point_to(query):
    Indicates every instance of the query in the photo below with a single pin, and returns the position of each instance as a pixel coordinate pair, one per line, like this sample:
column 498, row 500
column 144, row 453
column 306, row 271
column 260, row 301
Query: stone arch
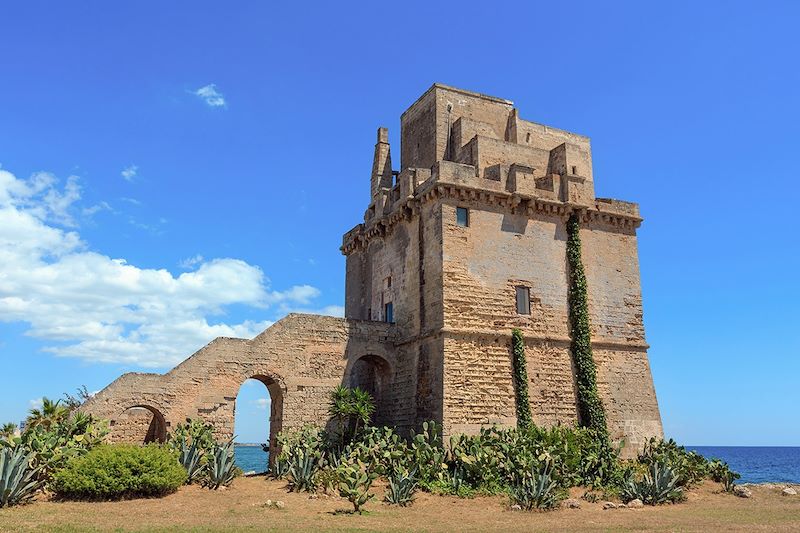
column 139, row 424
column 277, row 393
column 373, row 373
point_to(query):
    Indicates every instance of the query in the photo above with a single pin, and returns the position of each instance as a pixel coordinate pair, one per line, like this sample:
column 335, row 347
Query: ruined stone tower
column 467, row 241
column 463, row 243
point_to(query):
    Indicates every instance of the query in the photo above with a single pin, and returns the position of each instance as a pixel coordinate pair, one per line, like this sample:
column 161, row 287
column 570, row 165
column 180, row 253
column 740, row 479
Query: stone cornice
column 539, row 338
column 516, row 203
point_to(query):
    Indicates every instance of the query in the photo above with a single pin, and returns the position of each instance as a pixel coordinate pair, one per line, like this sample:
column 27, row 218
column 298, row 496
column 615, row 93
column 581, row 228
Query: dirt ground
column 241, row 508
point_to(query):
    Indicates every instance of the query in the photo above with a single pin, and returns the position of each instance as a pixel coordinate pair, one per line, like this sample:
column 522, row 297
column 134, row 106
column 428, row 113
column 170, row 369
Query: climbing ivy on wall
column 519, row 367
column 590, row 407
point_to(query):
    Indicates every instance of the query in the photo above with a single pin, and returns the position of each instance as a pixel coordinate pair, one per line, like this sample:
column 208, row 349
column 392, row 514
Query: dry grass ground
column 240, row 508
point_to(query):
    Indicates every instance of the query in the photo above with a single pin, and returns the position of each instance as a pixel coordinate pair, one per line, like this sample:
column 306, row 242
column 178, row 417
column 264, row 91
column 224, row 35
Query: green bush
column 689, row 467
column 120, row 471
column 720, row 472
column 54, row 441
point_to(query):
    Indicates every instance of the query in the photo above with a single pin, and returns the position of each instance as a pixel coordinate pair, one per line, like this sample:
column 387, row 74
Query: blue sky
column 170, row 172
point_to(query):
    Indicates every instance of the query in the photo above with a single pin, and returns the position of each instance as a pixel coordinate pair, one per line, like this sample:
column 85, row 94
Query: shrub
column 402, row 486
column 659, row 485
column 18, row 479
column 221, row 467
column 689, row 467
column 120, row 471
column 535, row 490
column 354, row 484
column 55, row 439
column 720, row 472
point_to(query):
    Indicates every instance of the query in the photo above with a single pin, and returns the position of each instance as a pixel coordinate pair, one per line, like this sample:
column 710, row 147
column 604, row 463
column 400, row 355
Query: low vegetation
column 120, row 471
column 60, row 449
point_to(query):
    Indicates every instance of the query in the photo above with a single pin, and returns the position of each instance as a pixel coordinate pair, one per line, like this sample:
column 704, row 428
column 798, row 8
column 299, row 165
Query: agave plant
column 221, row 468
column 354, row 484
column 18, row 480
column 189, row 456
column 659, row 485
column 402, row 486
column 302, row 474
column 535, row 489
column 279, row 468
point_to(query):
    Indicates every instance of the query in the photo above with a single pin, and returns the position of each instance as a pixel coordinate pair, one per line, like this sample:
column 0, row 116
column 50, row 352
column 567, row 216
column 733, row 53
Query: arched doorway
column 372, row 373
column 140, row 424
column 258, row 414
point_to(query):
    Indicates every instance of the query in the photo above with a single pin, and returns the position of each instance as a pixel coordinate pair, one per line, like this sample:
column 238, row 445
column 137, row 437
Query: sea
column 251, row 458
column 756, row 464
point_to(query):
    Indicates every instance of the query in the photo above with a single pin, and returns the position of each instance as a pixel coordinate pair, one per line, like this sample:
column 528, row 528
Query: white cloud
column 36, row 404
column 262, row 403
column 190, row 262
column 129, row 173
column 211, row 96
column 87, row 305
column 102, row 206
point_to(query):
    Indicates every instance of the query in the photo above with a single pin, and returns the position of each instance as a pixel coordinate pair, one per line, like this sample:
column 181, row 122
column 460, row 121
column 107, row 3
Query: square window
column 523, row 301
column 462, row 216
column 389, row 313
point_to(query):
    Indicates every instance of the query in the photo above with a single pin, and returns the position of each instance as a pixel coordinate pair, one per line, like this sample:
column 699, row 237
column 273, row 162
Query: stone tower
column 466, row 242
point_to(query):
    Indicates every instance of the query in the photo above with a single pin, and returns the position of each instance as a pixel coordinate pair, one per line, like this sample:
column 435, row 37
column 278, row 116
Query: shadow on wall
column 141, row 424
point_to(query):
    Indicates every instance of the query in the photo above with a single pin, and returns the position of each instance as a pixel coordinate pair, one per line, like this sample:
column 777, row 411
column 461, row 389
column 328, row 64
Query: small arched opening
column 140, row 424
column 258, row 418
column 372, row 373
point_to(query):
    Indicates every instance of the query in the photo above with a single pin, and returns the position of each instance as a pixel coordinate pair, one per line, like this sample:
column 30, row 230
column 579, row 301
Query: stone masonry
column 474, row 220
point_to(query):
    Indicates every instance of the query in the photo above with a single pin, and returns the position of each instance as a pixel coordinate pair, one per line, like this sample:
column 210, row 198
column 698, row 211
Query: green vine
column 590, row 407
column 520, row 370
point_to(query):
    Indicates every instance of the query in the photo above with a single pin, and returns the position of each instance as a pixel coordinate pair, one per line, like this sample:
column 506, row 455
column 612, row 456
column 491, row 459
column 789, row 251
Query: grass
column 240, row 508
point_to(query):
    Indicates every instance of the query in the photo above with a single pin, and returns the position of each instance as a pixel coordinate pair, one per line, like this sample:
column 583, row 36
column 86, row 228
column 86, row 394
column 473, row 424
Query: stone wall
column 300, row 359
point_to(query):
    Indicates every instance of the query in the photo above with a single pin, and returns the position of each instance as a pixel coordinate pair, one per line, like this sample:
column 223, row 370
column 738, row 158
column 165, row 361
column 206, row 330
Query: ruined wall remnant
column 476, row 213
